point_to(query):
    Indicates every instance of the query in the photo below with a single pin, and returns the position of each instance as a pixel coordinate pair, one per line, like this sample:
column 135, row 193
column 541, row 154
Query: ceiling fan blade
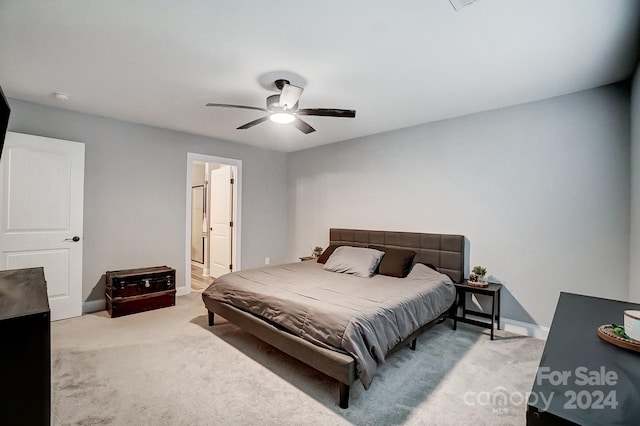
column 253, row 123
column 289, row 96
column 235, row 106
column 328, row 112
column 303, row 126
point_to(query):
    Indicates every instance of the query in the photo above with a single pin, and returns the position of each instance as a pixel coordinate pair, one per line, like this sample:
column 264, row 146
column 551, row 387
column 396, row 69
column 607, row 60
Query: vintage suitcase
column 137, row 290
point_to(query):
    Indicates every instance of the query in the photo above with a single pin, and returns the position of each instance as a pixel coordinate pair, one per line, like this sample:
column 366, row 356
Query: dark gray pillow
column 395, row 262
column 326, row 253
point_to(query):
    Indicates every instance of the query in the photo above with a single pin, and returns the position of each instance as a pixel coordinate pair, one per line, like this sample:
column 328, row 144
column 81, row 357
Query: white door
column 41, row 194
column 220, row 218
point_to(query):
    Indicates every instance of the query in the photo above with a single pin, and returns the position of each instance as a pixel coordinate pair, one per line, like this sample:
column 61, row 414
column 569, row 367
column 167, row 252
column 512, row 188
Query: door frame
column 237, row 201
column 203, row 187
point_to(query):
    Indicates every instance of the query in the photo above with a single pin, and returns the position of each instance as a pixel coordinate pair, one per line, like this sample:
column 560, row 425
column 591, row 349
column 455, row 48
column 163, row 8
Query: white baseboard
column 518, row 327
column 525, row 328
column 90, row 306
column 205, row 271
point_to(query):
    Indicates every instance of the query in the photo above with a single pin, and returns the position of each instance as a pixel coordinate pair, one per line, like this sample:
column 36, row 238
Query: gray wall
column 634, row 256
column 135, row 191
column 540, row 190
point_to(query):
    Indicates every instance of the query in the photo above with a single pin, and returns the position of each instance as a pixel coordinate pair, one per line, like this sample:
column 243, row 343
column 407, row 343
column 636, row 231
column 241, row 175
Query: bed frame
column 446, row 252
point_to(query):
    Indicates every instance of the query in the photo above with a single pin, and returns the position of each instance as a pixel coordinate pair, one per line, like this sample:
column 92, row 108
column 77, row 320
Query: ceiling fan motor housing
column 273, row 104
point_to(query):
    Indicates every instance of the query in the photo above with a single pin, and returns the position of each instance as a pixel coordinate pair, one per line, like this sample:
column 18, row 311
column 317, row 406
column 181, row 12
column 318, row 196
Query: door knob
column 75, row 239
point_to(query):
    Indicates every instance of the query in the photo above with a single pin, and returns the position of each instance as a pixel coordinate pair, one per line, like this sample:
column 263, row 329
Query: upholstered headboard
column 444, row 251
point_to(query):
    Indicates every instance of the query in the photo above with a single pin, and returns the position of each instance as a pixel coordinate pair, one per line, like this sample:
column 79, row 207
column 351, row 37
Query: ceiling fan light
column 282, row 117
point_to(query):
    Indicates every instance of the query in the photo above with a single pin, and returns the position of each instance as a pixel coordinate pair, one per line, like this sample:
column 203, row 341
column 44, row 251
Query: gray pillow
column 423, row 272
column 358, row 261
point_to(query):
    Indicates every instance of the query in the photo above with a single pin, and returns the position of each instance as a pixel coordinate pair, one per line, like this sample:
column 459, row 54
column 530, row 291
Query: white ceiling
column 399, row 64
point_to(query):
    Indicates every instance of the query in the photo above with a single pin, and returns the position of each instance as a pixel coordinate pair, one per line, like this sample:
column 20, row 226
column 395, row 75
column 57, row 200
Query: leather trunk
column 137, row 290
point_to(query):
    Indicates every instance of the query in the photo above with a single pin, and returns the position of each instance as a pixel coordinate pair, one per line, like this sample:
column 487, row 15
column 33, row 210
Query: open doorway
column 213, row 213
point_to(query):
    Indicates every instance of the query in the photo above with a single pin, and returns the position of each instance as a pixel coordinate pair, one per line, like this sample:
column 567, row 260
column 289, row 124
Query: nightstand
column 493, row 290
column 303, row 258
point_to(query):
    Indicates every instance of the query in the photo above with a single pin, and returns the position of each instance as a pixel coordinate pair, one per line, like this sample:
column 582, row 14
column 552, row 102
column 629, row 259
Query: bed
column 338, row 323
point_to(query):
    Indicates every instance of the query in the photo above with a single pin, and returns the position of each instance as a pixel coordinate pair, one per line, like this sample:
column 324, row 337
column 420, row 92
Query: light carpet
column 167, row 367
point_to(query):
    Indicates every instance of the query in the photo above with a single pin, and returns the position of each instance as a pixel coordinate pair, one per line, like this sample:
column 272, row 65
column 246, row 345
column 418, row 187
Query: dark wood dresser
column 25, row 348
column 583, row 380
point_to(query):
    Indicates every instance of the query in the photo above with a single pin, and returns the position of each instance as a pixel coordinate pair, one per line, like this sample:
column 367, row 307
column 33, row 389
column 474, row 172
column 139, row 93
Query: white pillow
column 358, row 261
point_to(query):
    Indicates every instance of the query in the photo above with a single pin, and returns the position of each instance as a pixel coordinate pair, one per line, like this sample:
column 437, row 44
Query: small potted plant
column 317, row 251
column 479, row 272
column 477, row 277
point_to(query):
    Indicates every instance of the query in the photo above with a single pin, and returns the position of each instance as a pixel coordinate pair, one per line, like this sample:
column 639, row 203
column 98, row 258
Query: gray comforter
column 364, row 317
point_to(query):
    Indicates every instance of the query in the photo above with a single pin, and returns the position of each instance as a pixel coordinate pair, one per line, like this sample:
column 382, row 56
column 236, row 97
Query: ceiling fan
column 283, row 109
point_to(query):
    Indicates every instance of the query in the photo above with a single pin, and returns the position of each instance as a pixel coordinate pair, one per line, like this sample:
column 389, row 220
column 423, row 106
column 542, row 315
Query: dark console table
column 25, row 348
column 586, row 380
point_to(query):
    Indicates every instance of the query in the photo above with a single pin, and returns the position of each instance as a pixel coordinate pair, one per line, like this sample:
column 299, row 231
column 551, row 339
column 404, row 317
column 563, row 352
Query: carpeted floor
column 166, row 367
